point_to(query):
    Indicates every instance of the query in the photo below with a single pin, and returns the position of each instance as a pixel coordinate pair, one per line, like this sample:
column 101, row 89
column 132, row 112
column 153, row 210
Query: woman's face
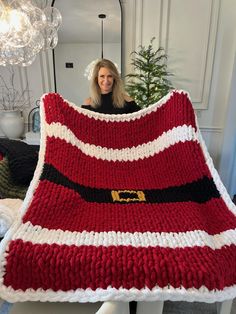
column 105, row 80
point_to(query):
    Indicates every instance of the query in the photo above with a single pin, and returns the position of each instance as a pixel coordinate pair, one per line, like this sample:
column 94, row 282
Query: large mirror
column 82, row 38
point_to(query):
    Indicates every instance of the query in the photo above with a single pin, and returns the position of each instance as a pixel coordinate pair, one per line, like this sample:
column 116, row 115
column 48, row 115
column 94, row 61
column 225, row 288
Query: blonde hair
column 118, row 93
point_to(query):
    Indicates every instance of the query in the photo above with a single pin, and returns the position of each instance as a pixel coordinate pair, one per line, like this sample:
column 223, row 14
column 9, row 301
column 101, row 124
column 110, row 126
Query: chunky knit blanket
column 121, row 207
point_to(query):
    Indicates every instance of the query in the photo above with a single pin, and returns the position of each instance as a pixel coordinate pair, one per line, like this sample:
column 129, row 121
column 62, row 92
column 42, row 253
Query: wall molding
column 164, row 28
column 210, row 56
column 211, row 129
column 45, row 61
column 160, row 14
column 198, row 83
column 138, row 23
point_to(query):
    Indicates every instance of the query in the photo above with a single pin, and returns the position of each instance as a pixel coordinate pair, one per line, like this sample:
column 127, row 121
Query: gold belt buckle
column 134, row 196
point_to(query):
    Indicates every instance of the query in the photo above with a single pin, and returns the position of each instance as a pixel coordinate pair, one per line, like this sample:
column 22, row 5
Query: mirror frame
column 121, row 48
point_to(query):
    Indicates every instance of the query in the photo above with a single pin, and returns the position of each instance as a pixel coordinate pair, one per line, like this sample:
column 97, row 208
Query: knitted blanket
column 121, row 207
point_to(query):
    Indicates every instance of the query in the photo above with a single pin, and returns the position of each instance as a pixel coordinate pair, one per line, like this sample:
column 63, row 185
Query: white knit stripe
column 129, row 116
column 38, row 235
column 171, row 137
column 203, row 294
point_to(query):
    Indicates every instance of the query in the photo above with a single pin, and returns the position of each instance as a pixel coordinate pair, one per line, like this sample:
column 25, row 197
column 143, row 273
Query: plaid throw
column 122, row 207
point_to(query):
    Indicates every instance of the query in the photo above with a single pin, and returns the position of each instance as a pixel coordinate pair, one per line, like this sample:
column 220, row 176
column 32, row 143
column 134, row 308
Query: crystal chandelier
column 26, row 28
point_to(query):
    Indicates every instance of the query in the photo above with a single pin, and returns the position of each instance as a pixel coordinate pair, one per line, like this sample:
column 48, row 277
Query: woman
column 107, row 92
column 108, row 96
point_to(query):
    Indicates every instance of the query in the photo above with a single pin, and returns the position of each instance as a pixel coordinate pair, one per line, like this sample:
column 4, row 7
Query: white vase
column 12, row 123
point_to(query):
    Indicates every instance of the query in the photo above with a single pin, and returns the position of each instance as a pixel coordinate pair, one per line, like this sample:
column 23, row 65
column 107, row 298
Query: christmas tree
column 150, row 81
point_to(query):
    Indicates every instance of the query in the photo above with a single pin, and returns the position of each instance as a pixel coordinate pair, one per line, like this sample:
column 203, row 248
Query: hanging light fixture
column 89, row 69
column 102, row 17
column 26, row 27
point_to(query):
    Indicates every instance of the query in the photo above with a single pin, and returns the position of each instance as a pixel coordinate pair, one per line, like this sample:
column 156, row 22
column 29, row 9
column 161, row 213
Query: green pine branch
column 150, row 80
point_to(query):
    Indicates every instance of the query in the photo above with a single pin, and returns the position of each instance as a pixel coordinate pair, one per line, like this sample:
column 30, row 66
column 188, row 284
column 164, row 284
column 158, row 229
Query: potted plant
column 150, row 82
column 12, row 103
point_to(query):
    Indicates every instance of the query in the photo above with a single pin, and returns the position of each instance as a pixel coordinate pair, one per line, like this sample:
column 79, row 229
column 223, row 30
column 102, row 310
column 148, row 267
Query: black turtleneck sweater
column 107, row 106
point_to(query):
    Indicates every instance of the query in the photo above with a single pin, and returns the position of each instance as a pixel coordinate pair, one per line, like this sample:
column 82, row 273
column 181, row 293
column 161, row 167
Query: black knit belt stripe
column 198, row 191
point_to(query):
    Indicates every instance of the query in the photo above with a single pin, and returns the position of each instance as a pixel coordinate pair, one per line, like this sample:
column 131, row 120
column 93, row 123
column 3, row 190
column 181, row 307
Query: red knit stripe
column 92, row 172
column 1, row 156
column 175, row 112
column 69, row 267
column 75, row 214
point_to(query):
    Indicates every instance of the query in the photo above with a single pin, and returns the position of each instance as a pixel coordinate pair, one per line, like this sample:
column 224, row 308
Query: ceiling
column 80, row 22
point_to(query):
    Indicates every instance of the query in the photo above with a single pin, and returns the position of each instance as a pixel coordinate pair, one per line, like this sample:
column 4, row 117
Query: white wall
column 214, row 118
column 228, row 160
column 200, row 40
column 71, row 82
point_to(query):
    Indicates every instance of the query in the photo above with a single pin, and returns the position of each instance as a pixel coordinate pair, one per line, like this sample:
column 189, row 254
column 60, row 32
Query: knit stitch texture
column 121, row 207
